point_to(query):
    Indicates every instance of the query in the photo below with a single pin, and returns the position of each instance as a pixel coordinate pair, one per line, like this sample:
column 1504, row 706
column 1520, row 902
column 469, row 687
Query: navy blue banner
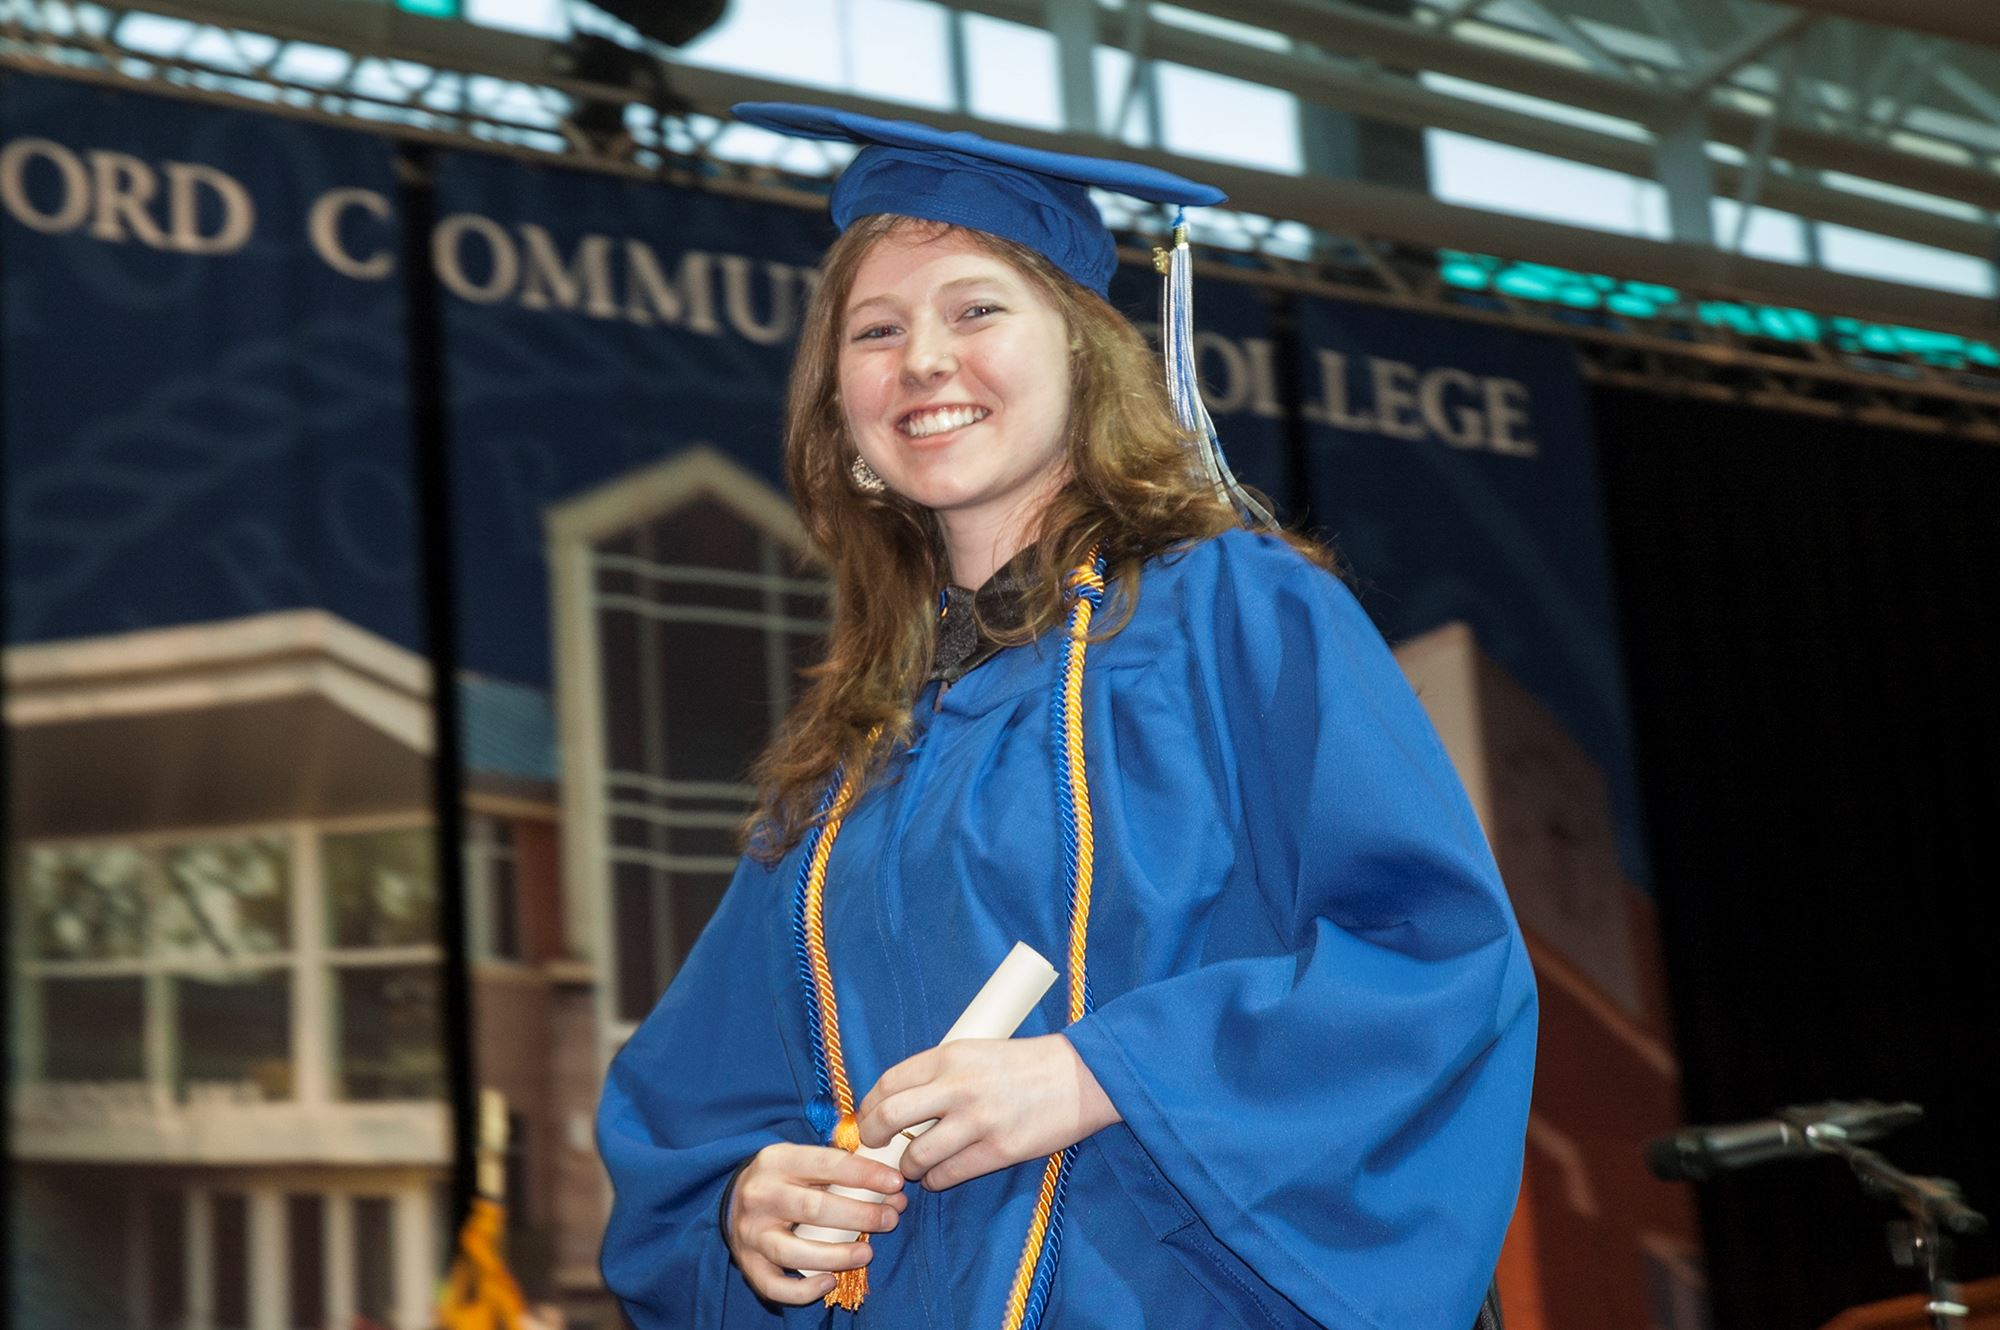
column 1454, row 468
column 595, row 326
column 205, row 416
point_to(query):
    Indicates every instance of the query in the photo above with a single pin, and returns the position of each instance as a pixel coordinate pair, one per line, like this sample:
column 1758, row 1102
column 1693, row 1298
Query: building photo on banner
column 401, row 581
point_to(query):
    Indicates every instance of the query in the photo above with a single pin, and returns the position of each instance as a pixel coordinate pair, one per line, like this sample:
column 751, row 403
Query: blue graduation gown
column 1314, row 1009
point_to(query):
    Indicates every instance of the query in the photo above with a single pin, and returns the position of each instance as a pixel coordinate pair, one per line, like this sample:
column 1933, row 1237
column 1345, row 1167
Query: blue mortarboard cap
column 1035, row 198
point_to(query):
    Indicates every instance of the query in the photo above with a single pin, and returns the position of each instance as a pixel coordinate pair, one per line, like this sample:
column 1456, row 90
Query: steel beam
column 1346, row 207
column 1572, row 34
column 1975, row 21
column 1406, row 102
column 1073, row 23
column 1394, row 42
column 1931, row 399
column 1357, row 207
column 1750, row 46
column 1681, row 165
column 1401, row 44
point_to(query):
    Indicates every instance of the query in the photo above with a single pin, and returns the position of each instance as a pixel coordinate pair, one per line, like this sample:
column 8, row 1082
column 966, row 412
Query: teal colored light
column 1647, row 300
column 1632, row 306
column 1728, row 314
column 1533, row 281
column 1787, row 325
column 430, row 8
column 1465, row 274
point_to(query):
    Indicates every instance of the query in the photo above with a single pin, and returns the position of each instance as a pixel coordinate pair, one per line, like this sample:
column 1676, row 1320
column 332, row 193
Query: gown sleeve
column 1342, row 1110
column 703, row 1084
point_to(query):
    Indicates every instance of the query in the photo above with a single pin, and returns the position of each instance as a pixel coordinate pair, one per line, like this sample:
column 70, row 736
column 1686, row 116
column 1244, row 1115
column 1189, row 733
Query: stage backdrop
column 227, row 1063
column 1452, row 466
column 229, row 1076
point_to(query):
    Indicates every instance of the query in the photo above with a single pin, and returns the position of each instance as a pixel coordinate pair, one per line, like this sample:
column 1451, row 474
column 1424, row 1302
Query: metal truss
column 1789, row 90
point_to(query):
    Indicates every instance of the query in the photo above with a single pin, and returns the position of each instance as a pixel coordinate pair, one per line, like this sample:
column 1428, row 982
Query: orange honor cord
column 832, row 1109
column 1034, row 1276
column 849, row 1286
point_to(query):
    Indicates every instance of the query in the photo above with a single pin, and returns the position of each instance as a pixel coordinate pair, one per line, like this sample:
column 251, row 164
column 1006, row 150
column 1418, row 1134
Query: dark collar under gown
column 1313, row 1005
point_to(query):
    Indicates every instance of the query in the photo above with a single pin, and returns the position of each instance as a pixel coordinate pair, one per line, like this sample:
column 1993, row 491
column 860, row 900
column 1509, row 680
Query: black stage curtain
column 1811, row 617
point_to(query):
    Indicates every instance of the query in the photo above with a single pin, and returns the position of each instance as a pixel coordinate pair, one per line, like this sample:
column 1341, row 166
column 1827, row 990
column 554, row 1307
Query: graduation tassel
column 1176, row 269
column 849, row 1286
column 835, row 1096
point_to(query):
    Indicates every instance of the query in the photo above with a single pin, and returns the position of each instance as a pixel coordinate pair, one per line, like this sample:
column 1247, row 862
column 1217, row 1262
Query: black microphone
column 1699, row 1153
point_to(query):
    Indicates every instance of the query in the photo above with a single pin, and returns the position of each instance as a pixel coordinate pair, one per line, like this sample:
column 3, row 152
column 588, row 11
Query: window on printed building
column 166, row 1259
column 93, row 1029
column 216, row 1237
column 374, row 1263
column 234, row 1029
column 195, row 935
column 305, row 1241
column 229, row 1259
column 382, row 926
column 703, row 622
column 193, row 939
column 493, row 887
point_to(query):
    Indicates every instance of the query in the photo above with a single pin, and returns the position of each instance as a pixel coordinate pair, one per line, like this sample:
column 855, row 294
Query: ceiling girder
column 1407, row 102
column 1572, row 34
column 1969, row 90
column 1402, row 44
column 1347, row 207
column 1920, row 67
column 1775, row 31
column 1359, row 207
column 1975, row 21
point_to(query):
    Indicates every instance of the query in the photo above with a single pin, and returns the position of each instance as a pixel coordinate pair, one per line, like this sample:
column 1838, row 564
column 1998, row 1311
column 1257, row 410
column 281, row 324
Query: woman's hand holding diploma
column 785, row 1185
column 994, row 1013
column 993, row 1102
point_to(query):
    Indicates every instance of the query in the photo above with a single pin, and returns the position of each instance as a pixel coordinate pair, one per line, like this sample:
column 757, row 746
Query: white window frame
column 310, row 960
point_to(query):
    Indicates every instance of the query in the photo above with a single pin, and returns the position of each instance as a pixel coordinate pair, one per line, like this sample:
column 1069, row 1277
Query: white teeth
column 925, row 423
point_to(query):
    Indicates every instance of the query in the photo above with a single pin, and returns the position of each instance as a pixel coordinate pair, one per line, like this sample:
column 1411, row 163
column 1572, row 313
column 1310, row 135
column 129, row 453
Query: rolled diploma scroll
column 995, row 1012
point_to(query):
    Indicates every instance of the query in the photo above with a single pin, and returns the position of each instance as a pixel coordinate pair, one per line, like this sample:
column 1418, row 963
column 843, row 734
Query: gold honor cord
column 1028, row 1295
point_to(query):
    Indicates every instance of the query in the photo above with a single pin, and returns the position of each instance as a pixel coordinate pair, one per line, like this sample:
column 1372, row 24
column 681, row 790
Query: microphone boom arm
column 1937, row 1215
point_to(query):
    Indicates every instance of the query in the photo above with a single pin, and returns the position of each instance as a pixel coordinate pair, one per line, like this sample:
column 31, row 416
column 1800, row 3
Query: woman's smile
column 930, row 422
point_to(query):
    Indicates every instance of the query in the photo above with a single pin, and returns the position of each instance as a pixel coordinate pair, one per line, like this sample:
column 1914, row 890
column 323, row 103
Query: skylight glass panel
column 299, row 63
column 1910, row 198
column 898, row 51
column 1479, row 174
column 1537, row 106
column 1774, row 235
column 540, row 18
column 1230, row 120
column 1866, row 254
column 1012, row 70
column 795, row 41
column 761, row 147
column 154, row 35
column 1248, row 34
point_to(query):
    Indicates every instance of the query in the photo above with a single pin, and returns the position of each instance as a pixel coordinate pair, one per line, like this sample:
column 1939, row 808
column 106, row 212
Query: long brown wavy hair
column 1131, row 490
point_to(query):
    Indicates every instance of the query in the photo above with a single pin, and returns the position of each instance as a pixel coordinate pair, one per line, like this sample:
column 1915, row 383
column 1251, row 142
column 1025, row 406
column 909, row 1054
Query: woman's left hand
column 997, row 1102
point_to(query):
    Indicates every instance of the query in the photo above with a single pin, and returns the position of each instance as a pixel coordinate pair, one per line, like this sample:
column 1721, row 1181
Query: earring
column 864, row 477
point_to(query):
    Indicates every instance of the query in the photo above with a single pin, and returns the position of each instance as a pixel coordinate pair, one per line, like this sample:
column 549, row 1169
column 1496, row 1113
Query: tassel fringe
column 849, row 1286
column 1176, row 267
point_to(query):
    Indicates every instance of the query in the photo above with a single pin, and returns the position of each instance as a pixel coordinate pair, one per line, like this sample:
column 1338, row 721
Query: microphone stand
column 1936, row 1213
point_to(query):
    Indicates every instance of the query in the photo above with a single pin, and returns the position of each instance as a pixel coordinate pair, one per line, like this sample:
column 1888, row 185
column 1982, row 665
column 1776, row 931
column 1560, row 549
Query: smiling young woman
column 1101, row 461
column 1285, row 1082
